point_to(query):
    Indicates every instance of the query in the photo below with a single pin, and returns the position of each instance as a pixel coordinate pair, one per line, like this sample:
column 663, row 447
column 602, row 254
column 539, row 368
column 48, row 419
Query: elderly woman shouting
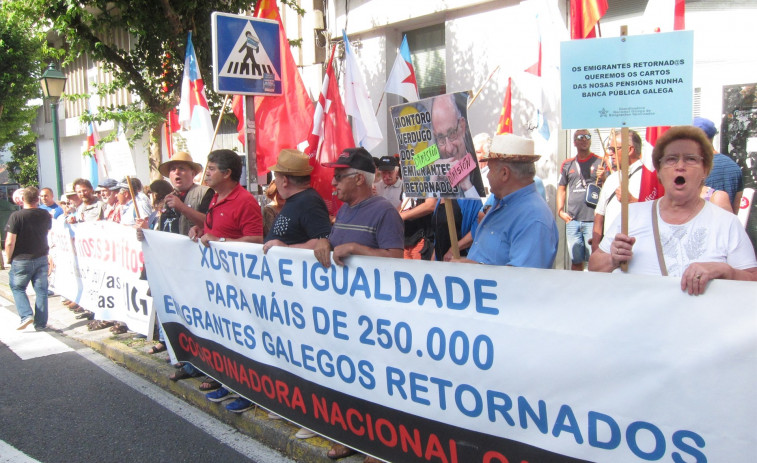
column 680, row 234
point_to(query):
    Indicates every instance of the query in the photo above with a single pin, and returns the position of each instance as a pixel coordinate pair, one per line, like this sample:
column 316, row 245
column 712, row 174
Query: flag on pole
column 664, row 15
column 194, row 113
column 535, row 68
column 330, row 134
column 506, row 116
column 584, row 16
column 357, row 103
column 281, row 121
column 402, row 80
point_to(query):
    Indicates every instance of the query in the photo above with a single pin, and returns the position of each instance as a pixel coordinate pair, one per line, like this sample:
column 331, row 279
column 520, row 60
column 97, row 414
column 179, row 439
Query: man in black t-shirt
column 304, row 219
column 26, row 248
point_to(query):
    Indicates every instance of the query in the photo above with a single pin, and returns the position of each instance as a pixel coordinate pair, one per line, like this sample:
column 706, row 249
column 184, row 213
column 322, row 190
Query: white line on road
column 27, row 343
column 9, row 454
column 224, row 433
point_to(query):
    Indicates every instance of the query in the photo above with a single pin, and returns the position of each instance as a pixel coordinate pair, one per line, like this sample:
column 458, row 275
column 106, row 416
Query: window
column 428, row 51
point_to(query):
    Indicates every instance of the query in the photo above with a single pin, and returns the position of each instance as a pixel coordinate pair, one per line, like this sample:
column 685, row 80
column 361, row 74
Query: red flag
column 584, row 15
column 237, row 107
column 505, row 118
column 281, row 121
column 330, row 134
column 650, row 188
column 535, row 68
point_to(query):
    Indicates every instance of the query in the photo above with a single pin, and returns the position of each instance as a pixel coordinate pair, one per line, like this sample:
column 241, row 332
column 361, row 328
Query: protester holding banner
column 188, row 204
column 110, row 199
column 365, row 225
column 234, row 214
column 127, row 213
column 680, row 234
column 91, row 208
column 519, row 230
column 304, row 219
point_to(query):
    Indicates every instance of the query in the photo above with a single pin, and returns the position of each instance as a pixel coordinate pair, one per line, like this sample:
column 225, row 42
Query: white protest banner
column 98, row 265
column 418, row 361
column 629, row 81
column 436, row 148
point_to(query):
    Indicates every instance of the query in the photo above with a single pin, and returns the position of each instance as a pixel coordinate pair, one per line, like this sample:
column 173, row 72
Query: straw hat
column 512, row 148
column 292, row 162
column 181, row 156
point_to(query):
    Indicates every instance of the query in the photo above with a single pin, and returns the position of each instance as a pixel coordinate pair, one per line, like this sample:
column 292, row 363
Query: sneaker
column 305, row 433
column 25, row 322
column 219, row 395
column 239, row 405
column 40, row 328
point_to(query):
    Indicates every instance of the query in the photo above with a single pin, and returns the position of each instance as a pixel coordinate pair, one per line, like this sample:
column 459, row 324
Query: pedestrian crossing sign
column 246, row 55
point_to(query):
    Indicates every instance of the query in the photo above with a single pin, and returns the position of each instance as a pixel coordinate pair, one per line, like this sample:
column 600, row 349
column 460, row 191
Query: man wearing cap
column 128, row 207
column 189, row 203
column 365, row 224
column 519, row 230
column 70, row 201
column 725, row 175
column 108, row 197
column 91, row 208
column 304, row 219
column 47, row 202
column 390, row 186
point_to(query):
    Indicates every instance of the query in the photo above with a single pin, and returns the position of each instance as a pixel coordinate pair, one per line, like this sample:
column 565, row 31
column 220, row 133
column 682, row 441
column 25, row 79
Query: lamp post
column 53, row 82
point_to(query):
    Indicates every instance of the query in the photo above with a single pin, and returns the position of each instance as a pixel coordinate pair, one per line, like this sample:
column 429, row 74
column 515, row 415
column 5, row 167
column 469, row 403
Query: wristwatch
column 221, row 239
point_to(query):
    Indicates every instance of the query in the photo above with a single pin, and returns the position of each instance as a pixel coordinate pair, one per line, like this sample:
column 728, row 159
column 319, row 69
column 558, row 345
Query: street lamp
column 53, row 82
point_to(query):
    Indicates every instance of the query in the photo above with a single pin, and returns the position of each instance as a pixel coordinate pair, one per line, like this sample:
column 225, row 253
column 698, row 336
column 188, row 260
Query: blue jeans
column 23, row 271
column 577, row 236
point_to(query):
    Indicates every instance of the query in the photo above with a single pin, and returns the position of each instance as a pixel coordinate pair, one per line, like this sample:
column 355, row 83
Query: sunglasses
column 583, row 137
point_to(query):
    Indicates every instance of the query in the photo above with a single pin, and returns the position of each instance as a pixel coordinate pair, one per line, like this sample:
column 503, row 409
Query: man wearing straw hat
column 519, row 230
column 189, row 203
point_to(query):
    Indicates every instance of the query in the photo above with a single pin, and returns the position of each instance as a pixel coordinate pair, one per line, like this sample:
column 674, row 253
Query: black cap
column 388, row 163
column 356, row 158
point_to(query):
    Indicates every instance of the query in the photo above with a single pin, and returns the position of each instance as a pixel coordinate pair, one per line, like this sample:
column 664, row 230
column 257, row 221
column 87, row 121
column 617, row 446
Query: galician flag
column 194, row 114
column 402, row 80
column 357, row 103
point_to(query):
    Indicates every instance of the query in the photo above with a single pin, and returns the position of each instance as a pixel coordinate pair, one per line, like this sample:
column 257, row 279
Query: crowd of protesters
column 513, row 227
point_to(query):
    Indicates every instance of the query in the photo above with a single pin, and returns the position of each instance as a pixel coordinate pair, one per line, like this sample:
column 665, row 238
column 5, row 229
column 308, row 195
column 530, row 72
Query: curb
column 131, row 353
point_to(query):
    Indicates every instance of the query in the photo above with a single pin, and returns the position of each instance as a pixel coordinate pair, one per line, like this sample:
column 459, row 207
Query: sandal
column 372, row 460
column 119, row 328
column 99, row 324
column 179, row 374
column 209, row 384
column 338, row 451
column 159, row 347
column 86, row 315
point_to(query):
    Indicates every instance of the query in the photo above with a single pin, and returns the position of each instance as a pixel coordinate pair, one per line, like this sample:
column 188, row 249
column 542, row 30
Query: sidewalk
column 130, row 351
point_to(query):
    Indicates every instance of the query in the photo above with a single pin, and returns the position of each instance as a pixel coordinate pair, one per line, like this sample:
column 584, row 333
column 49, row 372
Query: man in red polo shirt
column 234, row 214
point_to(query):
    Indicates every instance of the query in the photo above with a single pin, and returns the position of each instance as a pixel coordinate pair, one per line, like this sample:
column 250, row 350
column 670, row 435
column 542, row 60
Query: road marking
column 9, row 454
column 227, row 435
column 27, row 343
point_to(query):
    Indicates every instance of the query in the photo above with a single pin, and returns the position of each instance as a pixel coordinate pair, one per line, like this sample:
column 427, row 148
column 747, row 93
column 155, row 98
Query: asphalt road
column 62, row 402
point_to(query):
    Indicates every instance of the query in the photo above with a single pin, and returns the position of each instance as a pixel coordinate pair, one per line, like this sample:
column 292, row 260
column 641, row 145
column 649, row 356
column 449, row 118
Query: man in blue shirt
column 47, row 202
column 519, row 230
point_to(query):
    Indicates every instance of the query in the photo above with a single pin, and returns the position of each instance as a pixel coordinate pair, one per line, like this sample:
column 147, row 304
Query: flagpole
column 380, row 100
column 133, row 197
column 624, row 135
column 482, row 86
